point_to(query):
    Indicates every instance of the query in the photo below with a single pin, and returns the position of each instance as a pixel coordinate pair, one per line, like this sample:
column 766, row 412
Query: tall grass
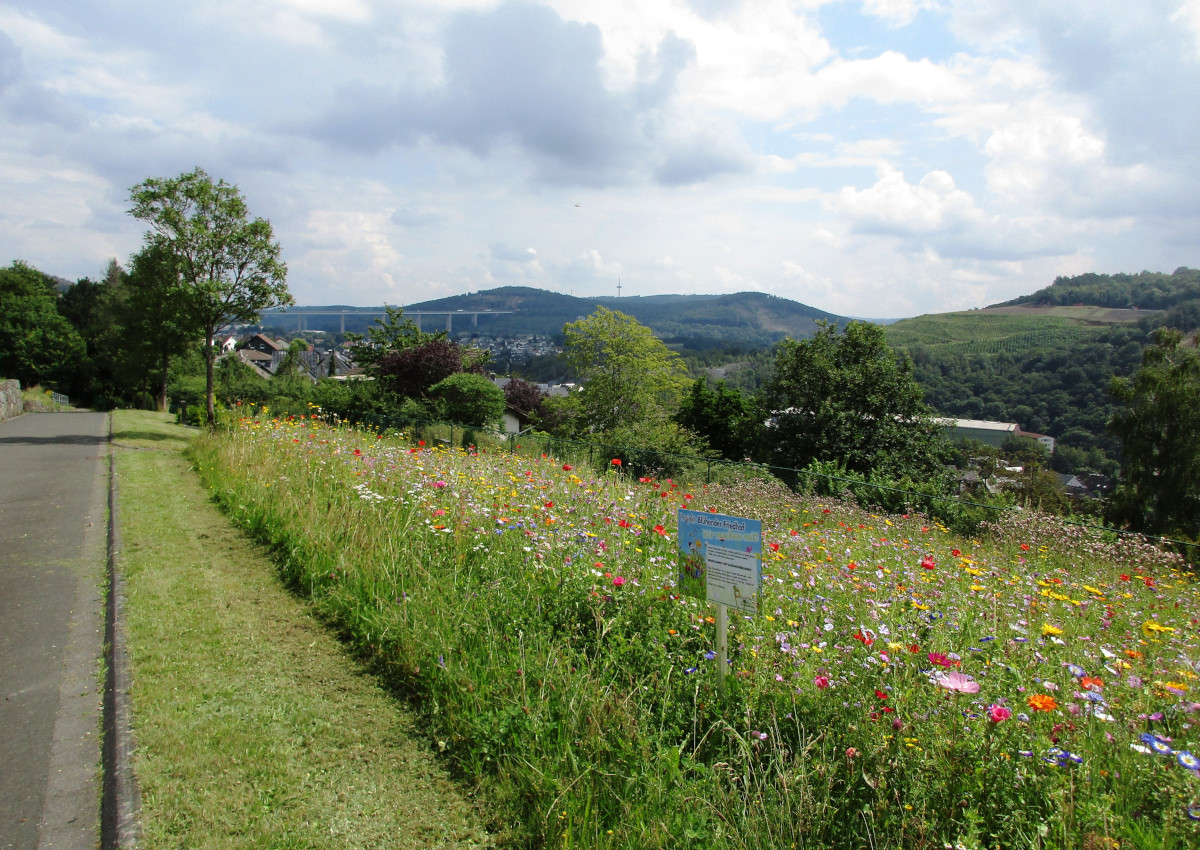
column 901, row 688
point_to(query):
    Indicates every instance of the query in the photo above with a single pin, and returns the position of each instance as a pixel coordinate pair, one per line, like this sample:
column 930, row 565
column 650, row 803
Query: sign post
column 720, row 560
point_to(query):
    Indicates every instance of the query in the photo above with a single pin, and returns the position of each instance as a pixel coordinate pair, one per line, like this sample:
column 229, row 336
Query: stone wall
column 10, row 399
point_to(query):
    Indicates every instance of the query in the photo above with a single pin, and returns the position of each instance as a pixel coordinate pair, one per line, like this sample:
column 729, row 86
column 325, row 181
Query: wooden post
column 722, row 645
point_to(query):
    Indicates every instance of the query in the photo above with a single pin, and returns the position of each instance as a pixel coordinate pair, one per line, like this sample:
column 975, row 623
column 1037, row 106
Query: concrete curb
column 120, row 807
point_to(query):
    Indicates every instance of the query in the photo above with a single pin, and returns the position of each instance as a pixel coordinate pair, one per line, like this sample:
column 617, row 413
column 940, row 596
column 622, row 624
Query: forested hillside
column 1048, row 365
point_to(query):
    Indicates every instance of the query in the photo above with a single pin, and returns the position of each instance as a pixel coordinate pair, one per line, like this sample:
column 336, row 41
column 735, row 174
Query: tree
column 849, row 399
column 469, row 399
column 97, row 311
column 158, row 322
column 630, row 378
column 386, row 336
column 529, row 399
column 228, row 264
column 1159, row 430
column 412, row 371
column 37, row 343
column 723, row 417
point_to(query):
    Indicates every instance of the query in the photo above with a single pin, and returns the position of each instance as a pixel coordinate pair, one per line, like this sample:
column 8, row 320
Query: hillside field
column 900, row 686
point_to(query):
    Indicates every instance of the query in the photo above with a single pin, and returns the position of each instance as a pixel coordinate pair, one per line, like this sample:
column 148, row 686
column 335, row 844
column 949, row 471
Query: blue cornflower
column 1076, row 671
column 691, row 670
column 710, row 655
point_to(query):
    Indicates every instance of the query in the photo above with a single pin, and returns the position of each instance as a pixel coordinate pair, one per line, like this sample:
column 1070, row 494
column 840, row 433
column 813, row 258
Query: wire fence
column 643, row 461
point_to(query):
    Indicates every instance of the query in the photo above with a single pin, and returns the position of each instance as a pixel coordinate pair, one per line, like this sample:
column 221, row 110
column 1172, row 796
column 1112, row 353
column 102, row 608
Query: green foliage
column 726, row 420
column 393, row 333
column 38, row 345
column 847, row 398
column 1059, row 389
column 99, row 310
column 1159, row 429
column 469, row 399
column 1145, row 290
column 630, row 378
column 237, row 382
column 158, row 324
column 352, row 399
column 228, row 264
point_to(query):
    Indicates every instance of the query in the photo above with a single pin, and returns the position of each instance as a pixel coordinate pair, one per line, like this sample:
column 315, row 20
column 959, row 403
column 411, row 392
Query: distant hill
column 1045, row 360
column 697, row 322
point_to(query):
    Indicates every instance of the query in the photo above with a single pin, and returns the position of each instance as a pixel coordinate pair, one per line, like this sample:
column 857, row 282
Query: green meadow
column 900, row 687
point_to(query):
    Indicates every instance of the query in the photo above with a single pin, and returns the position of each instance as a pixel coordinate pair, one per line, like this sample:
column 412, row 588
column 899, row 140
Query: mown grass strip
column 253, row 727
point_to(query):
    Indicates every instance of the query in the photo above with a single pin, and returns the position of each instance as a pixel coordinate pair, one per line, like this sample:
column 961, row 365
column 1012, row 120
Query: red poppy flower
column 567, row 467
column 616, row 461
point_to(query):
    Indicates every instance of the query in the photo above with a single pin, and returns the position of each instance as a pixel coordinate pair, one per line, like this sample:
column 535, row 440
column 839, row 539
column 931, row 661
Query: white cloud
column 965, row 151
column 896, row 207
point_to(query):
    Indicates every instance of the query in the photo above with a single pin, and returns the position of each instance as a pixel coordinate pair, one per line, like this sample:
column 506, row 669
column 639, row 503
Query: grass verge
column 253, row 726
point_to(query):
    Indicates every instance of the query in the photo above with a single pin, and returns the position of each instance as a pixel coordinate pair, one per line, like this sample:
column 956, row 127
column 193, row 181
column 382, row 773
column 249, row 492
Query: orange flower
column 1092, row 682
column 1041, row 702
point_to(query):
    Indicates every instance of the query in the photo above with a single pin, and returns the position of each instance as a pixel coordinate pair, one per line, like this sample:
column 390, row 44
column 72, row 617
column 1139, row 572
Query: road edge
column 120, row 806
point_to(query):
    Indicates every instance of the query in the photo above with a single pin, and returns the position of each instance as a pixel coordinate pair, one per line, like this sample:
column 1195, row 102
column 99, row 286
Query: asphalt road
column 53, row 489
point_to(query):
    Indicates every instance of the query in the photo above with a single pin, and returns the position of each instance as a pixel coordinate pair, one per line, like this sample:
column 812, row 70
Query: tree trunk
column 162, row 387
column 209, row 358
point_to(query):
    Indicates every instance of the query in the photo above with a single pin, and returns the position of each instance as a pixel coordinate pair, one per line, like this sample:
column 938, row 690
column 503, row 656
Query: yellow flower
column 1048, row 629
column 1150, row 627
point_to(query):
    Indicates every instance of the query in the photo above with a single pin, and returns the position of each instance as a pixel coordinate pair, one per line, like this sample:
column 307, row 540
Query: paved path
column 53, row 489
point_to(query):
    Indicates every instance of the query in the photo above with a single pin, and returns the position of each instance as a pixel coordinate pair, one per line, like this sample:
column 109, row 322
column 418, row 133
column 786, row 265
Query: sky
column 871, row 158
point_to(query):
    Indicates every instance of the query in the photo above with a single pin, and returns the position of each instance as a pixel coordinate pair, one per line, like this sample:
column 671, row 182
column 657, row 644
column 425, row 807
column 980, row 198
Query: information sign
column 720, row 558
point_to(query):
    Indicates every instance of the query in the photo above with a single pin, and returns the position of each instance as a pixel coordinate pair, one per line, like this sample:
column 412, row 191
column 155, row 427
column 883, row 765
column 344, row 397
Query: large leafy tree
column 630, row 378
column 38, row 345
column 1159, row 429
column 228, row 263
column 845, row 397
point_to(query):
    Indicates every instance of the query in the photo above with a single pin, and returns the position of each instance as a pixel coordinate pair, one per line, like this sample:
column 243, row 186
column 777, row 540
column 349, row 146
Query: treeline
column 1142, row 291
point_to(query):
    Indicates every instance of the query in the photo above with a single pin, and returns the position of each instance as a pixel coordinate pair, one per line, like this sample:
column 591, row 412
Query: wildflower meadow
column 900, row 687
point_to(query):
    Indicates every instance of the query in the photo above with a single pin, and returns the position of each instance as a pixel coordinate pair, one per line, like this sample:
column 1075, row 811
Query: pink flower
column 618, row 581
column 940, row 660
column 822, row 682
column 998, row 713
column 960, row 682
